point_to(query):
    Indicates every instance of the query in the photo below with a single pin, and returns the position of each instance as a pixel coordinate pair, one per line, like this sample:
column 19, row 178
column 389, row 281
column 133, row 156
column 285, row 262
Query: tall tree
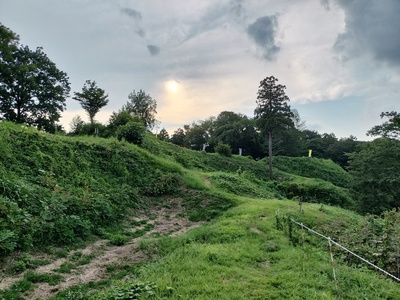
column 144, row 106
column 272, row 113
column 390, row 128
column 91, row 99
column 32, row 89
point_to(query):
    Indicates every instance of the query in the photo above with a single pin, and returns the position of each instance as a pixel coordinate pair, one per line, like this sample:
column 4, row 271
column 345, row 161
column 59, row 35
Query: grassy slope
column 242, row 256
column 239, row 255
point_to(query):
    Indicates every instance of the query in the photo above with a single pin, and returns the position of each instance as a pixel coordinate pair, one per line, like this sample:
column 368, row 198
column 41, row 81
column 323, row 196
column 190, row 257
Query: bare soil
column 166, row 221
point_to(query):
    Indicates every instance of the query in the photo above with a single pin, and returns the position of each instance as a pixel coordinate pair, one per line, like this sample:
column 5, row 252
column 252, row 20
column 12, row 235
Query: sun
column 172, row 86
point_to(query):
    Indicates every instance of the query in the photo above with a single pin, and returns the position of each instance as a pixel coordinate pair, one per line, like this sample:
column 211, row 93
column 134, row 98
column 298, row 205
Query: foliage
column 247, row 258
column 143, row 106
column 243, row 184
column 178, row 137
column 132, row 132
column 323, row 169
column 76, row 124
column 92, row 98
column 120, row 118
column 59, row 190
column 236, row 130
column 223, row 149
column 198, row 135
column 390, row 128
column 163, row 135
column 95, row 128
column 32, row 89
column 374, row 238
column 129, row 290
column 375, row 171
column 272, row 113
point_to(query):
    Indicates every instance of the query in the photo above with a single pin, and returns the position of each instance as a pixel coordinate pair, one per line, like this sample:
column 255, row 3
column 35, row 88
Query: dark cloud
column 325, row 4
column 215, row 16
column 263, row 32
column 154, row 50
column 372, row 27
column 137, row 17
column 132, row 13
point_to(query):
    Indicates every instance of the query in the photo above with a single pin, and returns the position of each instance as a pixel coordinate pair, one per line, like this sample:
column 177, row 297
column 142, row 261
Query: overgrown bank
column 59, row 191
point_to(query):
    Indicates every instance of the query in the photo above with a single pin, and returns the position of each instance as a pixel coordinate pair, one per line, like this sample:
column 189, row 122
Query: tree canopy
column 144, row 106
column 92, row 99
column 32, row 89
column 376, row 181
column 390, row 128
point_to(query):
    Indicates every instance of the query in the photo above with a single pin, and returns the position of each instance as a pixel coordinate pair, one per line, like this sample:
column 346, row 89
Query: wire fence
column 345, row 249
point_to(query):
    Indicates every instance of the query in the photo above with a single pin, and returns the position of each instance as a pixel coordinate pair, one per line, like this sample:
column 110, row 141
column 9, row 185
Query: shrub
column 132, row 132
column 223, row 149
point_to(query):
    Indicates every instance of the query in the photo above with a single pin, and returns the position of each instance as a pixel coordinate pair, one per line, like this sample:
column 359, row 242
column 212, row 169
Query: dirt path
column 166, row 222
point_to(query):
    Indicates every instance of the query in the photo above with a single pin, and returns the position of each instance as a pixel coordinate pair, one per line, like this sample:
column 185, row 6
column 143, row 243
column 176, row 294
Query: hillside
column 93, row 218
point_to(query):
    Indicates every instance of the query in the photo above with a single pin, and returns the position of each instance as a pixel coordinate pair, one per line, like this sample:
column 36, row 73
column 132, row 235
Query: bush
column 132, row 132
column 223, row 149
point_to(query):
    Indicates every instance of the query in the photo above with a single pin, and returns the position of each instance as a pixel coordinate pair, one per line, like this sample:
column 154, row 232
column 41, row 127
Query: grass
column 243, row 256
column 69, row 189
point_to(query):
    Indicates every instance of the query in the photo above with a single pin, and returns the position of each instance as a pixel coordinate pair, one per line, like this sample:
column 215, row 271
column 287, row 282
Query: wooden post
column 301, row 204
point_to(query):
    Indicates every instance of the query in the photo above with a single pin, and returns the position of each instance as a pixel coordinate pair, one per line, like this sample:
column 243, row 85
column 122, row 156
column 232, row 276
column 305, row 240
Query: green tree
column 163, row 135
column 272, row 113
column 236, row 130
column 375, row 170
column 178, row 137
column 92, row 99
column 119, row 118
column 76, row 124
column 223, row 149
column 32, row 89
column 132, row 132
column 340, row 150
column 390, row 128
column 144, row 106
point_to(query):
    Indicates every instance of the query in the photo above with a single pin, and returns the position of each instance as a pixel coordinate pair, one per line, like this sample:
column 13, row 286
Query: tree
column 144, row 106
column 132, row 132
column 375, row 171
column 91, row 99
column 163, row 135
column 32, row 89
column 119, row 118
column 178, row 137
column 390, row 129
column 236, row 130
column 272, row 113
column 198, row 134
column 339, row 151
column 76, row 124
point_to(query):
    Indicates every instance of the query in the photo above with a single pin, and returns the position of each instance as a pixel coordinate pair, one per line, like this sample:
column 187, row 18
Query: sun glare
column 172, row 86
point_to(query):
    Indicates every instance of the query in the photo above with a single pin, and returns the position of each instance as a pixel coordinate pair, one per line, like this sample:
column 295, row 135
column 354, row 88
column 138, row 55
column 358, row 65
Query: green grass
column 56, row 192
column 243, row 256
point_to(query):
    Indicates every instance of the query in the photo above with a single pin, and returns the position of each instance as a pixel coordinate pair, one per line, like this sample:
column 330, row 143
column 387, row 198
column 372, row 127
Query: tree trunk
column 270, row 154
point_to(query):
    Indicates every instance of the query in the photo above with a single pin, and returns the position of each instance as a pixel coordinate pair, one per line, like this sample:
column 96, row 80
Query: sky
column 339, row 59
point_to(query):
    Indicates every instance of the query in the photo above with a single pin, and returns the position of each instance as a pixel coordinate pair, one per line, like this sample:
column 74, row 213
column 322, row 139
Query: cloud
column 216, row 16
column 325, row 4
column 371, row 27
column 154, row 50
column 137, row 17
column 263, row 32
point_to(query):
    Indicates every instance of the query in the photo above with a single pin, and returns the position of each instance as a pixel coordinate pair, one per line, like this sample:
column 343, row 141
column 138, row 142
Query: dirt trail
column 166, row 222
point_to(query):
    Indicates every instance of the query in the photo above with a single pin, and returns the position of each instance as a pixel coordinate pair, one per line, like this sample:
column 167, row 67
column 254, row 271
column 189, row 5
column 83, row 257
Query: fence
column 345, row 249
